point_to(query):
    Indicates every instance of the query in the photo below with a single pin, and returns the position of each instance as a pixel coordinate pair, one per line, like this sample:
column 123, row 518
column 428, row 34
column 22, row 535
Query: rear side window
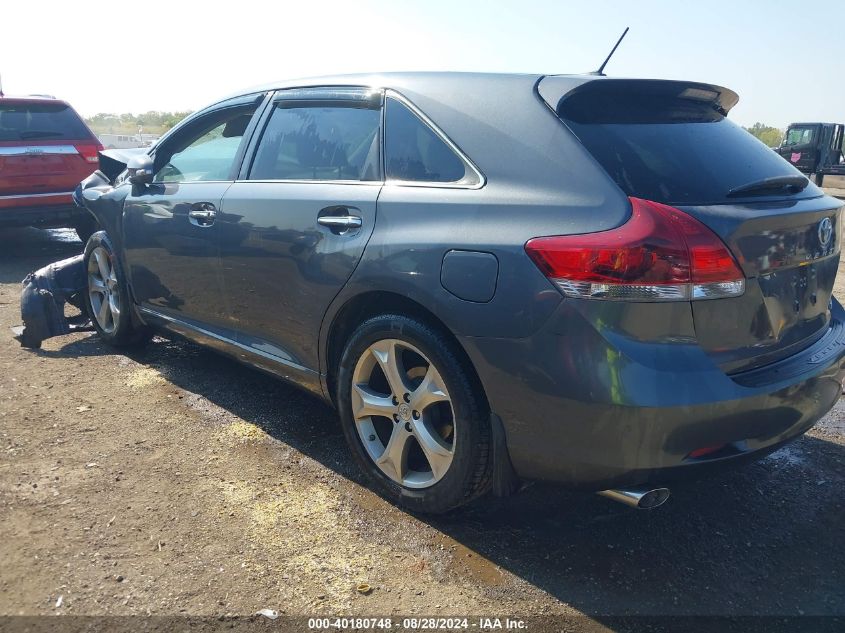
column 414, row 152
column 319, row 143
column 667, row 148
column 22, row 121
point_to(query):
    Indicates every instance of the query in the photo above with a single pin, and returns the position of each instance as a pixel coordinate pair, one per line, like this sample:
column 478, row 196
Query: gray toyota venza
column 494, row 278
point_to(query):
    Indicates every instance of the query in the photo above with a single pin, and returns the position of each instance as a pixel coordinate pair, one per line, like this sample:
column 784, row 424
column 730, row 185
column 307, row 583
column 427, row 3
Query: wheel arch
column 365, row 305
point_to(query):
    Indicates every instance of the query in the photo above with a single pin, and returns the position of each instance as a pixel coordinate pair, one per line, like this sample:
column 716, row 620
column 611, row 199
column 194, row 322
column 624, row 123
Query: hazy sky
column 136, row 55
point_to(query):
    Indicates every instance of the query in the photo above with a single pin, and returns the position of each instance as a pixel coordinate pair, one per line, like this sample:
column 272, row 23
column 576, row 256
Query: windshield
column 22, row 121
column 799, row 136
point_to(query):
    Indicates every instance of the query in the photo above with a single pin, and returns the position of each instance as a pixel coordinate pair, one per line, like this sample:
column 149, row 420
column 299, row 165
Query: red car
column 45, row 151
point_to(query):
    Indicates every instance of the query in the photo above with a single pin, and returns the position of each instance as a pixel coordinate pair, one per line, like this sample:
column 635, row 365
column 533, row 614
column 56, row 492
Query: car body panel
column 789, row 280
column 172, row 263
column 280, row 268
column 587, row 402
column 224, row 342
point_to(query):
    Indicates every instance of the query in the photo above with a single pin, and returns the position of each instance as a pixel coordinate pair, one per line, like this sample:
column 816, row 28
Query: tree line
column 771, row 136
column 152, row 122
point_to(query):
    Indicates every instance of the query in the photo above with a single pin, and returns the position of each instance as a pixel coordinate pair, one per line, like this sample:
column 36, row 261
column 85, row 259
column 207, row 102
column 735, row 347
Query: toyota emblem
column 825, row 231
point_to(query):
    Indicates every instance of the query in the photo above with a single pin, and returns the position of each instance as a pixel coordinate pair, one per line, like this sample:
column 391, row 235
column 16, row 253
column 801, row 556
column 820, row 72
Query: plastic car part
column 660, row 254
column 43, row 298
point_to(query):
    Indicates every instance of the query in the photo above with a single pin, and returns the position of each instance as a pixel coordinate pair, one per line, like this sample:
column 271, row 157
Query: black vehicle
column 596, row 281
column 815, row 149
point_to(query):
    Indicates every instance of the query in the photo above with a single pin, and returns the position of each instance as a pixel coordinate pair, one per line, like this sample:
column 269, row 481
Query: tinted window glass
column 40, row 121
column 799, row 136
column 414, row 152
column 672, row 151
column 319, row 143
column 206, row 150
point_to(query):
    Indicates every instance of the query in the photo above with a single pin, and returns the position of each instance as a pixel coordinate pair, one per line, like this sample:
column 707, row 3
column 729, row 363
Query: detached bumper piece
column 43, row 298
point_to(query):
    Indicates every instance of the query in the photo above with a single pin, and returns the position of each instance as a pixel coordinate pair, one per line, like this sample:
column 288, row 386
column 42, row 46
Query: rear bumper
column 53, row 209
column 594, row 409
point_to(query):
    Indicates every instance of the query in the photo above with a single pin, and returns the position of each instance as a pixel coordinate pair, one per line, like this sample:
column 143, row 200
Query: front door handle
column 202, row 214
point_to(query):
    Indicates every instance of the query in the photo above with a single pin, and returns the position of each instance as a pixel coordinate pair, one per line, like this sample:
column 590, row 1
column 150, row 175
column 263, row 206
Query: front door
column 295, row 226
column 171, row 232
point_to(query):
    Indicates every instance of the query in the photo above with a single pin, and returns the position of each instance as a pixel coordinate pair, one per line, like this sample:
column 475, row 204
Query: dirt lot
column 174, row 481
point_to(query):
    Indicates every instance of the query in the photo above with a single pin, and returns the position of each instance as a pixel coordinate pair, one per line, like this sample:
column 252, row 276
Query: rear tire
column 428, row 448
column 107, row 301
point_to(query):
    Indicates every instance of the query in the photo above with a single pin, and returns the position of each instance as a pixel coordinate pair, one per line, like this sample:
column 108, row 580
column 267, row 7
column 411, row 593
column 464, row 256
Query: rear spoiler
column 556, row 89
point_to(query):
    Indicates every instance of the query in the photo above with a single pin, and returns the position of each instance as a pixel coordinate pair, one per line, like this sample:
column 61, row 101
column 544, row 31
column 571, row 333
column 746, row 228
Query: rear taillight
column 89, row 151
column 659, row 254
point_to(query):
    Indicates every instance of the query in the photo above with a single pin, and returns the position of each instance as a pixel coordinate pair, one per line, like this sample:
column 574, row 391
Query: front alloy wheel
column 403, row 413
column 108, row 305
column 102, row 290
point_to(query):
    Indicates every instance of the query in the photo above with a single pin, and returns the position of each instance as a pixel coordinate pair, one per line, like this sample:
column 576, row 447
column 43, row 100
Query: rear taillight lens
column 89, row 151
column 659, row 254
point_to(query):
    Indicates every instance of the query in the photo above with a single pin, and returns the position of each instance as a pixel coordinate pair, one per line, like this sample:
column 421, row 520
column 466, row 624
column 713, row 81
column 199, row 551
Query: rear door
column 45, row 149
column 659, row 144
column 295, row 224
column 171, row 230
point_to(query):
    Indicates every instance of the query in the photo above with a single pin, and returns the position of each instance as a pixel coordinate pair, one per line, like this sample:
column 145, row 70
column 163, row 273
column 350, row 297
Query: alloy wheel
column 403, row 413
column 102, row 290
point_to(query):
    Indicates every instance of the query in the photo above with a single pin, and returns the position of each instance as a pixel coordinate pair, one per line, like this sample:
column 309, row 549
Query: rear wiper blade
column 40, row 133
column 790, row 184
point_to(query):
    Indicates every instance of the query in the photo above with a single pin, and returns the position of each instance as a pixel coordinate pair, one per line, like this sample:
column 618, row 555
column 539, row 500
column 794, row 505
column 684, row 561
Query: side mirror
column 140, row 169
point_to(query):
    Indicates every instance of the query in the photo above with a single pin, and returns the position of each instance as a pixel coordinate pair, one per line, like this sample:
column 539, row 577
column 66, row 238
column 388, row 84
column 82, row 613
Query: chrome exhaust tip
column 639, row 499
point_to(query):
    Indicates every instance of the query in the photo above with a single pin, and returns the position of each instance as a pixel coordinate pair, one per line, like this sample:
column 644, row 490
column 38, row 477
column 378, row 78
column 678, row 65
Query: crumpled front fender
column 104, row 201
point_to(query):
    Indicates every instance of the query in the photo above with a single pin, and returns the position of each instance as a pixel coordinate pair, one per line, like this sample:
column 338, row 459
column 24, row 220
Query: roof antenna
column 600, row 72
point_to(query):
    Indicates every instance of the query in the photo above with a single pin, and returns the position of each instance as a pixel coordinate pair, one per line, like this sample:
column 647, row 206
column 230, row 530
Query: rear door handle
column 202, row 214
column 339, row 219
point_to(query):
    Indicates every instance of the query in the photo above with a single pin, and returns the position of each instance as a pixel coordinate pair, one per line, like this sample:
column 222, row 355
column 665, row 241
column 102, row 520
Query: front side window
column 799, row 136
column 206, row 151
column 315, row 142
column 413, row 152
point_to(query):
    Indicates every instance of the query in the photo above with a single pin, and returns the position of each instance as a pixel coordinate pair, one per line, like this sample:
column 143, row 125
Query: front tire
column 107, row 301
column 413, row 415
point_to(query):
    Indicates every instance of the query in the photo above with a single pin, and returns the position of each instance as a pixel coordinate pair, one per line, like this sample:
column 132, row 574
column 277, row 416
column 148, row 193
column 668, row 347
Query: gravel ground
column 174, row 481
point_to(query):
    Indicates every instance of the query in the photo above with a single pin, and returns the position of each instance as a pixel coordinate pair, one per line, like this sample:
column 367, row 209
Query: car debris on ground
column 43, row 298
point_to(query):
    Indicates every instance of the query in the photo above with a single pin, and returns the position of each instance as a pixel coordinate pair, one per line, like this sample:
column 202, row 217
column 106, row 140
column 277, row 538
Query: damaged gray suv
column 594, row 281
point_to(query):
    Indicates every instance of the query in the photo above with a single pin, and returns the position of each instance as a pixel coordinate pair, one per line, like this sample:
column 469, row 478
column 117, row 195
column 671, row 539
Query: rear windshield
column 40, row 122
column 671, row 150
